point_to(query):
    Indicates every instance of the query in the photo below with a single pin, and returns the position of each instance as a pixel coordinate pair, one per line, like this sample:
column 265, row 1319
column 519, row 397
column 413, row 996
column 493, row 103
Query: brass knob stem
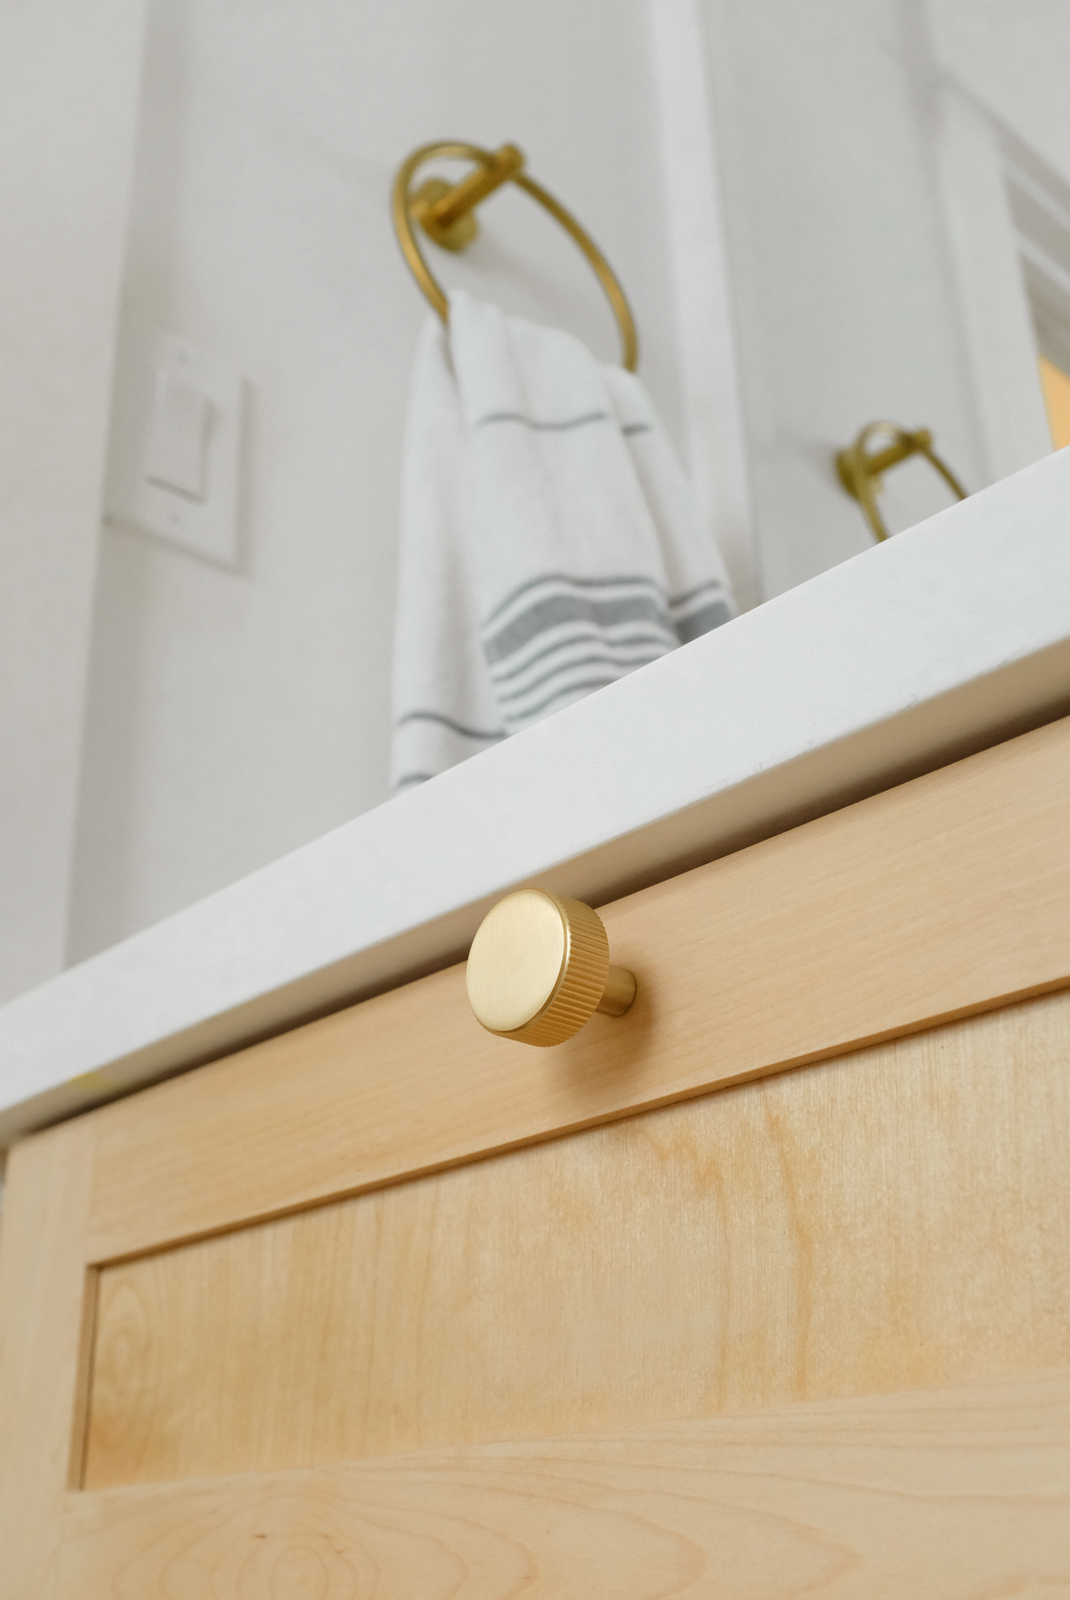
column 619, row 992
column 539, row 968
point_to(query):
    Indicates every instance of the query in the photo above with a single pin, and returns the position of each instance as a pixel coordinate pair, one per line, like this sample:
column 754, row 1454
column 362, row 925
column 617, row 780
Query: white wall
column 873, row 257
column 845, row 291
column 232, row 717
column 716, row 446
column 1005, row 70
column 1014, row 57
column 68, row 99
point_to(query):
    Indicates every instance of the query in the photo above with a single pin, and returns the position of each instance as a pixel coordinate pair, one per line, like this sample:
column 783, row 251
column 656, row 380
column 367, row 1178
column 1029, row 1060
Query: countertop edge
column 948, row 639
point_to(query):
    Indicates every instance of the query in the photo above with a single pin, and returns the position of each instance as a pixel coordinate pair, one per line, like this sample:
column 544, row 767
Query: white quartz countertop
column 946, row 639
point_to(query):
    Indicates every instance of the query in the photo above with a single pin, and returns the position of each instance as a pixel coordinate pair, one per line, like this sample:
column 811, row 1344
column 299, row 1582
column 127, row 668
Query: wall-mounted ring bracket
column 445, row 213
column 860, row 471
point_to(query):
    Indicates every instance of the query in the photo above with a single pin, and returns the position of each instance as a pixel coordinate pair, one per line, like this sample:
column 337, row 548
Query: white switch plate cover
column 180, row 428
column 205, row 527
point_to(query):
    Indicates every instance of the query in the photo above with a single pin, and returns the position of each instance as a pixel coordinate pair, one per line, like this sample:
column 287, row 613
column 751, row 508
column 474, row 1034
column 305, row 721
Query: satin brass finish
column 539, row 969
column 860, row 472
column 455, row 235
column 445, row 212
column 618, row 993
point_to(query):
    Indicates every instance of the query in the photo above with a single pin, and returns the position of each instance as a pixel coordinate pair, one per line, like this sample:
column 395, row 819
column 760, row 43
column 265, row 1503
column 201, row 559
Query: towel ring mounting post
column 860, row 472
column 445, row 212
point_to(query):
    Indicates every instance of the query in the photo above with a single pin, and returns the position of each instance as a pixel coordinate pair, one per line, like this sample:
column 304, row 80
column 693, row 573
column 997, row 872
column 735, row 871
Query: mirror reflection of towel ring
column 445, row 213
column 860, row 472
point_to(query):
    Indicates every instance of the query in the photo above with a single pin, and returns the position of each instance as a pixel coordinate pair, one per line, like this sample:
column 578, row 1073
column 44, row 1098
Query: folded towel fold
column 549, row 541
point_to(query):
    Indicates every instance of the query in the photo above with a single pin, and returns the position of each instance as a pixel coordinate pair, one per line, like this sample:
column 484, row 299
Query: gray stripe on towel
column 602, row 659
column 704, row 620
column 678, row 601
column 542, row 427
column 557, row 609
column 624, row 580
column 560, row 427
column 448, row 722
column 630, row 641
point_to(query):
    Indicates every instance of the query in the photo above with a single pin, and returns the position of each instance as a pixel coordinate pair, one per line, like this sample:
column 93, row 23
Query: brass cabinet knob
column 539, row 968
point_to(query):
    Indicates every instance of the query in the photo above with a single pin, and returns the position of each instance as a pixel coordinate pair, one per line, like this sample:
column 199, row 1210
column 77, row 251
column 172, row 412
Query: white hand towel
column 549, row 540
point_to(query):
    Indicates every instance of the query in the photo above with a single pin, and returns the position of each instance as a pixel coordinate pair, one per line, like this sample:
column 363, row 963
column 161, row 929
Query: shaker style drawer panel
column 890, row 1220
column 946, row 896
column 234, row 1306
column 962, row 1492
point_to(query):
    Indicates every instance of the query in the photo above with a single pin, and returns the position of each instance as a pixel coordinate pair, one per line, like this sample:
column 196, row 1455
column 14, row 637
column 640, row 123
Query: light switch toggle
column 175, row 460
column 176, row 446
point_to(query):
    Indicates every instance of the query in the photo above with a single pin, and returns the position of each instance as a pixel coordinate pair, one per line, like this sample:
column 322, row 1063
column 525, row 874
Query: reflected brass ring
column 860, row 471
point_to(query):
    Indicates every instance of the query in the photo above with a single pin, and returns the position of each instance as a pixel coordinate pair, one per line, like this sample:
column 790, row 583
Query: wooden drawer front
column 962, row 1493
column 947, row 896
column 890, row 1220
column 373, row 1236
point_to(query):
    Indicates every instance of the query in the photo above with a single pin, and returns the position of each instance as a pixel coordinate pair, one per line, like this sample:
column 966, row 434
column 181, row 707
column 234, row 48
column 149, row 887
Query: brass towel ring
column 860, row 472
column 445, row 214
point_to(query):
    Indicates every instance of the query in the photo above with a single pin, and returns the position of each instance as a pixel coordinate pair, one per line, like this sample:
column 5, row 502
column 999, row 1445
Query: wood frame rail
column 884, row 1495
column 942, row 898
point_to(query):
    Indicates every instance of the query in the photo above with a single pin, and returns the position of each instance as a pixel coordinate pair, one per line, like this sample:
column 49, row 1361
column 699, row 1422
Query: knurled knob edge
column 583, row 977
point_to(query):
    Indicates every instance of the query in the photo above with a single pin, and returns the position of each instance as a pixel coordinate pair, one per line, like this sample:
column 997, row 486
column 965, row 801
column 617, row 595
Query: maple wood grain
column 44, row 1341
column 962, row 1493
column 892, row 1219
column 946, row 896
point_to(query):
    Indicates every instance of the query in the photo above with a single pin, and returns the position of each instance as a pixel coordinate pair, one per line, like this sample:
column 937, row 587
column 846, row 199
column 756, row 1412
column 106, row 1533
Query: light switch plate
column 179, row 435
column 175, row 458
